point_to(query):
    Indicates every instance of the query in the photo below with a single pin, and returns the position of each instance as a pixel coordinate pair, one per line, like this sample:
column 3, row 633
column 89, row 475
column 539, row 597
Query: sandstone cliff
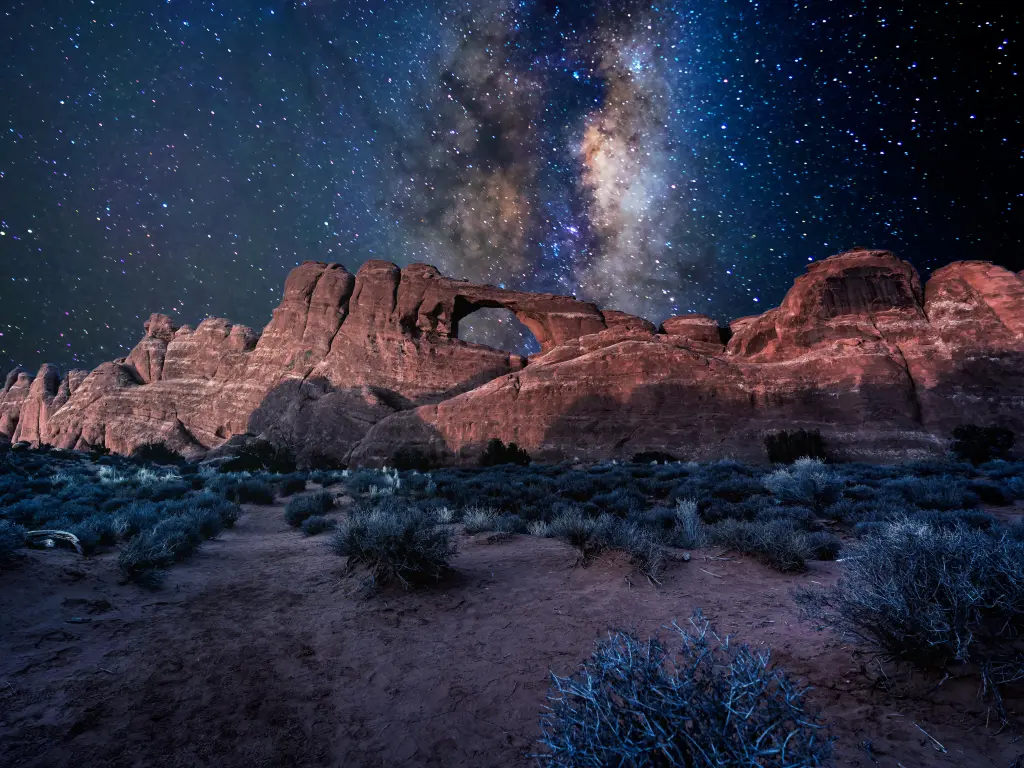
column 352, row 367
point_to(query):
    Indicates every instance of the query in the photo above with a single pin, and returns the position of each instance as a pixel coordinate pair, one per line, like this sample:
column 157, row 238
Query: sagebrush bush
column 928, row 595
column 137, row 517
column 251, row 491
column 809, row 481
column 777, row 543
column 290, row 484
column 394, row 541
column 822, row 545
column 586, row 534
column 704, row 702
column 311, row 526
column 942, row 492
column 92, row 532
column 145, row 557
column 641, row 544
column 12, row 538
column 478, row 519
column 690, row 531
column 301, row 508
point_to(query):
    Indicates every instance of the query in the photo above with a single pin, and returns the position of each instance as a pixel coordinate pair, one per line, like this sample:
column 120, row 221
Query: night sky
column 691, row 156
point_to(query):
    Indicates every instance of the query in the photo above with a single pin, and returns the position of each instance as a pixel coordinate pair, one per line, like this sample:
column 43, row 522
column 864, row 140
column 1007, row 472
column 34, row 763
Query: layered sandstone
column 353, row 367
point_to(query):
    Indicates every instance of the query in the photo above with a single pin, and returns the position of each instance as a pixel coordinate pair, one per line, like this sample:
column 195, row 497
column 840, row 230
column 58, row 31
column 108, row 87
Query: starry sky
column 691, row 156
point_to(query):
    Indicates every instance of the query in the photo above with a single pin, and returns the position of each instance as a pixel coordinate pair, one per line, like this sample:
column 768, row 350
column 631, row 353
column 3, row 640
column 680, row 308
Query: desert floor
column 259, row 652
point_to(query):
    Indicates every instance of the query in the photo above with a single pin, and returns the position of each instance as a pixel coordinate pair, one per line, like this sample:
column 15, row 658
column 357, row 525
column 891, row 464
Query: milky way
column 661, row 159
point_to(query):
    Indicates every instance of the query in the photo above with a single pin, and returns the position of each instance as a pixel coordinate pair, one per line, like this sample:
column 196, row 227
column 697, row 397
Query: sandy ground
column 258, row 652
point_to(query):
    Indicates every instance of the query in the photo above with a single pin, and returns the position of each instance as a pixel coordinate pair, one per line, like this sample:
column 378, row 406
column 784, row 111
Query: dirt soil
column 259, row 652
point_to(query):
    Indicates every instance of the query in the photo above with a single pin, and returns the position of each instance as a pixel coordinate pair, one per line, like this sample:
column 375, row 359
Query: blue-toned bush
column 316, row 524
column 12, row 538
column 705, row 702
column 302, row 507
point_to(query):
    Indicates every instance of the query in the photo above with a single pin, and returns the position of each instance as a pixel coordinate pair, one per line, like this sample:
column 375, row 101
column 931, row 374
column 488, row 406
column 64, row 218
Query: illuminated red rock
column 353, row 367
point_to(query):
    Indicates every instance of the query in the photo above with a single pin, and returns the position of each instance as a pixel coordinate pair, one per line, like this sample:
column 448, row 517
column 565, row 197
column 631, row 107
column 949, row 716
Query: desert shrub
column 291, row 484
column 934, row 492
column 542, row 530
column 327, row 477
column 223, row 514
column 953, row 518
column 311, row 526
column 394, row 541
column 179, row 535
column 689, row 531
column 261, row 456
column 926, row 595
column 577, row 486
column 251, row 491
column 143, row 559
column 643, row 546
column 31, row 512
column 12, row 538
column 162, row 491
column 499, row 453
column 172, row 539
column 229, row 513
column 992, row 493
column 980, row 444
column 208, row 521
column 378, row 482
column 823, row 545
column 93, row 532
column 409, row 459
column 303, row 507
column 705, row 702
column 808, row 481
column 778, row 543
column 659, row 517
column 588, row 535
column 478, row 519
column 510, row 523
column 648, row 457
column 1015, row 531
column 156, row 453
column 137, row 517
column 622, row 502
column 72, row 511
column 786, row 447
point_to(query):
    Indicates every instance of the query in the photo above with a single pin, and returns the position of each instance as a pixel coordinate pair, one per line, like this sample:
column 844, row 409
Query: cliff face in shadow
column 353, row 367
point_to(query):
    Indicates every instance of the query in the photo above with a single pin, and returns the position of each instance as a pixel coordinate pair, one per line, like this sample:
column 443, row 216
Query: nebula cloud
column 472, row 176
column 629, row 176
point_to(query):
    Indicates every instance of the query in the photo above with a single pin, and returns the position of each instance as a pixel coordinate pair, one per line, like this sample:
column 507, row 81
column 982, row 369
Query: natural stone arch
column 494, row 326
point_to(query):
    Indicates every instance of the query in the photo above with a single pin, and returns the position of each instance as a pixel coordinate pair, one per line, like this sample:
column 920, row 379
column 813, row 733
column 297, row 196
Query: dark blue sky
column 661, row 159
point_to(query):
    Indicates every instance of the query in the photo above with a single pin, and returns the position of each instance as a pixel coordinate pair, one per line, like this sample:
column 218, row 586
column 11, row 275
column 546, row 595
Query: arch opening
column 497, row 328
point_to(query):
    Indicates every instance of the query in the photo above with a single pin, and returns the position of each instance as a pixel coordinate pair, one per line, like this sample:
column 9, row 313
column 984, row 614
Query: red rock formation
column 352, row 367
column 853, row 350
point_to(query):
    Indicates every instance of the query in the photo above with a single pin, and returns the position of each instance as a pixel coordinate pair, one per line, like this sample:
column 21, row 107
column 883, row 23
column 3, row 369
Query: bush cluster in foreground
column 929, row 595
column 394, row 542
column 692, row 699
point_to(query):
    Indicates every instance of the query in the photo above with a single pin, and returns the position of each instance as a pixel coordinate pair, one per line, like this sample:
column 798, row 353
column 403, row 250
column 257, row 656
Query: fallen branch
column 709, row 573
column 36, row 537
column 936, row 742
